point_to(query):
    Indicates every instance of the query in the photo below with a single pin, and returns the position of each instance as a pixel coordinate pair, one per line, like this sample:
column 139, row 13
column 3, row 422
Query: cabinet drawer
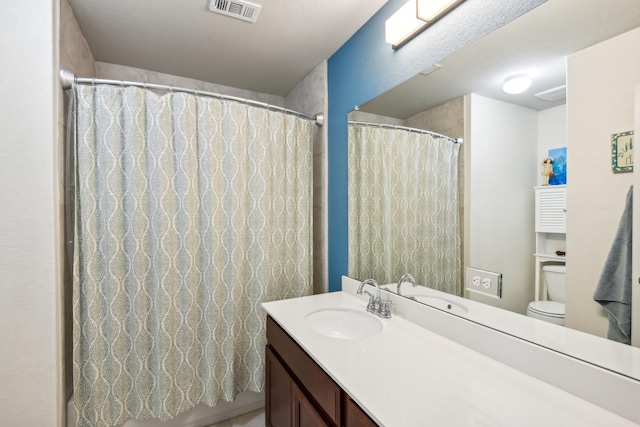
column 318, row 385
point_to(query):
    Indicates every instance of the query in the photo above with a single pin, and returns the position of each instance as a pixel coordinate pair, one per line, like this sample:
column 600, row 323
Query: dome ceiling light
column 517, row 84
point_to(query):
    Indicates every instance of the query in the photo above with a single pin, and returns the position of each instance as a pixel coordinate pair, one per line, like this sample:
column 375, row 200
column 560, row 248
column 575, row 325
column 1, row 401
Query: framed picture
column 622, row 152
column 559, row 157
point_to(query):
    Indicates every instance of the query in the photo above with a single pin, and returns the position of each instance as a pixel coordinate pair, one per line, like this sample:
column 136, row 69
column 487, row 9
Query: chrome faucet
column 376, row 304
column 408, row 278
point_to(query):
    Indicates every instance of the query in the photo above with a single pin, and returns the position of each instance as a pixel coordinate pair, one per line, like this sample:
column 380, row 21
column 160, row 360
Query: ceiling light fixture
column 516, row 84
column 402, row 25
column 432, row 10
column 414, row 17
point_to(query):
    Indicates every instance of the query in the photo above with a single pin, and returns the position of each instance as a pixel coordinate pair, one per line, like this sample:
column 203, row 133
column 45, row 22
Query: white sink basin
column 442, row 304
column 343, row 323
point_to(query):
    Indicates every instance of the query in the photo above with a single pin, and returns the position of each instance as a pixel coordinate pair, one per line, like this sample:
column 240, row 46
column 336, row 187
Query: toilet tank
column 554, row 278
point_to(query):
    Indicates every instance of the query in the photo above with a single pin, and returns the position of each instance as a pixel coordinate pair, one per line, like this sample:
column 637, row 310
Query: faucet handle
column 385, row 311
column 372, row 306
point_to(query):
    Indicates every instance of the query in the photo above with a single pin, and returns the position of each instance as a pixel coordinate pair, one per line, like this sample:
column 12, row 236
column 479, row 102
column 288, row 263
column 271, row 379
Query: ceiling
column 536, row 43
column 183, row 38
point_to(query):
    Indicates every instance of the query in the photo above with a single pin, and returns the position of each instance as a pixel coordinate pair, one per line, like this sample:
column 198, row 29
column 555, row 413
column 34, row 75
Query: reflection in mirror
column 506, row 139
column 403, row 205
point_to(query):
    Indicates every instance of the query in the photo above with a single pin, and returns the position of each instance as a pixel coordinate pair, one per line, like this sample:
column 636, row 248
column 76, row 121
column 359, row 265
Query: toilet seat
column 547, row 308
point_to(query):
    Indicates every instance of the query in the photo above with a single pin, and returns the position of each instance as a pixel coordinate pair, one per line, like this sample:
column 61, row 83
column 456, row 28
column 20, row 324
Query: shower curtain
column 190, row 212
column 403, row 207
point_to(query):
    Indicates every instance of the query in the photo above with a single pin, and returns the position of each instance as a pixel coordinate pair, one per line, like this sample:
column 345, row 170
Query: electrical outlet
column 484, row 282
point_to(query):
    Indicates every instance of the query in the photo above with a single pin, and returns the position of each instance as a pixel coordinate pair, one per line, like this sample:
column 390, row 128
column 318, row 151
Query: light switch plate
column 484, row 282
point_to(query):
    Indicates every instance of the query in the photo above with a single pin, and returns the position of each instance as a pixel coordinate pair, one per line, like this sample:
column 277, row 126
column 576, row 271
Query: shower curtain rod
column 427, row 132
column 68, row 78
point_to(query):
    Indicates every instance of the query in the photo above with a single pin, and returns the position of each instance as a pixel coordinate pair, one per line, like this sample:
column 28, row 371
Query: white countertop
column 408, row 376
column 617, row 357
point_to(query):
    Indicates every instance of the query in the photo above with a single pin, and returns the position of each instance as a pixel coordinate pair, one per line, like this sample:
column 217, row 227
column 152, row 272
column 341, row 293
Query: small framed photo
column 622, row 152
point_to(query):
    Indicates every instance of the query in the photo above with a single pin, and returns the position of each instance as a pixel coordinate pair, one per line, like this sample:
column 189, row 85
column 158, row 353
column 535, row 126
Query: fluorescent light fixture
column 414, row 17
column 402, row 25
column 432, row 10
column 516, row 84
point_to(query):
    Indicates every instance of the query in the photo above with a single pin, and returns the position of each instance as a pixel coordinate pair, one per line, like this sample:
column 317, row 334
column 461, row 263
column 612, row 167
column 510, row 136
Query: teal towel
column 613, row 290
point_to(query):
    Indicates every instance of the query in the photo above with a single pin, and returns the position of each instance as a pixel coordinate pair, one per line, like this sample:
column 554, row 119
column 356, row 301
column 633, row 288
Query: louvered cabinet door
column 551, row 210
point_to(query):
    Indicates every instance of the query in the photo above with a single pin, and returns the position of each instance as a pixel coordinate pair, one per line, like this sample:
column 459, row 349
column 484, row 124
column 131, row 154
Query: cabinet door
column 551, row 209
column 323, row 391
column 354, row 416
column 278, row 393
column 304, row 413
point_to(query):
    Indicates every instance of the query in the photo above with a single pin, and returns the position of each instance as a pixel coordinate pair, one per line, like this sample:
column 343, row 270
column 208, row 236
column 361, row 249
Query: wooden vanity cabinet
column 304, row 413
column 299, row 393
column 354, row 416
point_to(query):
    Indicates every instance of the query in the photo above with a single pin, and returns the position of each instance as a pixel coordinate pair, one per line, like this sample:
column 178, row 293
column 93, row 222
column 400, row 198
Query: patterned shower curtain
column 190, row 212
column 403, row 207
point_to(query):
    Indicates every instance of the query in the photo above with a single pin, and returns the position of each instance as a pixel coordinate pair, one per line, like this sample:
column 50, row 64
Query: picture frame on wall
column 559, row 157
column 622, row 152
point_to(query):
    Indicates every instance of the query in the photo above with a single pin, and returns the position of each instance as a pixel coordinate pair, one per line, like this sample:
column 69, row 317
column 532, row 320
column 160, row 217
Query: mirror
column 501, row 165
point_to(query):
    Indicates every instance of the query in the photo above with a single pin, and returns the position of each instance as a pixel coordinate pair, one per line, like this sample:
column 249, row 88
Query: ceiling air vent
column 554, row 94
column 431, row 69
column 236, row 9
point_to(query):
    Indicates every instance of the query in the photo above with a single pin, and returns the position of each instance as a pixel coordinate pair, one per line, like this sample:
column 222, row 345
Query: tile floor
column 251, row 419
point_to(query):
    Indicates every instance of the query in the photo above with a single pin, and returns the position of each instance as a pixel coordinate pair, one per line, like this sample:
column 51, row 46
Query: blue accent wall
column 366, row 67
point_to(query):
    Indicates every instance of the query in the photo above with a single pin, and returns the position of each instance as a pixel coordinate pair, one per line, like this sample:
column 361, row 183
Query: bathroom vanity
column 362, row 370
column 299, row 393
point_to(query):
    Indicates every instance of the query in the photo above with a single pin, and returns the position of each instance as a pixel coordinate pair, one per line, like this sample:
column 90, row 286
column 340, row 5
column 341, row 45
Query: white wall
column 30, row 294
column 500, row 149
column 552, row 133
column 600, row 102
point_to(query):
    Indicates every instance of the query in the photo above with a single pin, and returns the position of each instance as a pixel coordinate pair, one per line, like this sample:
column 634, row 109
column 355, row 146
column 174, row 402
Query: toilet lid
column 555, row 268
column 547, row 308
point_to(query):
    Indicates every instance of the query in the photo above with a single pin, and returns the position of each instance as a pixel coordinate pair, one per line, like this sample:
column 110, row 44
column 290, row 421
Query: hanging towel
column 613, row 290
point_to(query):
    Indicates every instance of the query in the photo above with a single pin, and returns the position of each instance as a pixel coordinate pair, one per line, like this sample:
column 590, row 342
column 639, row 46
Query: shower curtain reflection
column 190, row 212
column 403, row 206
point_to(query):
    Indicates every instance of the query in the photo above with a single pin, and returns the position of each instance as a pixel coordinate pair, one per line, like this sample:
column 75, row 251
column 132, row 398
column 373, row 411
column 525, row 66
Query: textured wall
column 310, row 96
column 106, row 70
column 75, row 54
column 366, row 66
column 447, row 119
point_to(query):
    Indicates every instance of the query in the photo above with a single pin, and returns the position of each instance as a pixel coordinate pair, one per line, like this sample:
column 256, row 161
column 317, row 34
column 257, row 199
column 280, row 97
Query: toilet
column 551, row 310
